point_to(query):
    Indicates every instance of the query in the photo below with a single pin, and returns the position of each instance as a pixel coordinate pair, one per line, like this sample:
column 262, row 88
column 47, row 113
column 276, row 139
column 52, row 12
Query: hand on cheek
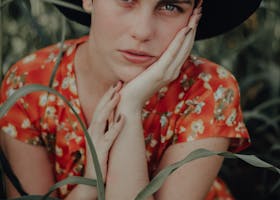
column 166, row 69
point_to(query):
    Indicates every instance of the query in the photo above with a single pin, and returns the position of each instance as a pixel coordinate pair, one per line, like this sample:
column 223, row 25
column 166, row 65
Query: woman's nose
column 142, row 28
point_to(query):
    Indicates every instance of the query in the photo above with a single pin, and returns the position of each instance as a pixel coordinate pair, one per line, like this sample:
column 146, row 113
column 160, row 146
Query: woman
column 146, row 102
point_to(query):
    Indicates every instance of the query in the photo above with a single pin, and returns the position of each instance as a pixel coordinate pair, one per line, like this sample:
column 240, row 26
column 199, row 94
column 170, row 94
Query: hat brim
column 218, row 16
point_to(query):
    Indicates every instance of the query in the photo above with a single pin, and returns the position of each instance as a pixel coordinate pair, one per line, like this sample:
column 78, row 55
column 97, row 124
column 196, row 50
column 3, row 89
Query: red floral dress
column 202, row 100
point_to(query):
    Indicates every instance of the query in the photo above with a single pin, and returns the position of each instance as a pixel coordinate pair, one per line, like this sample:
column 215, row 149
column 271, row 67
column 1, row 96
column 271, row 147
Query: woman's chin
column 127, row 74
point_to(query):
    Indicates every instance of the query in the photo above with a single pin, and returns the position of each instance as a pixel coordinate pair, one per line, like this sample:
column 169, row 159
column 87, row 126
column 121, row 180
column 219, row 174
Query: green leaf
column 159, row 179
column 58, row 60
column 34, row 197
column 70, row 180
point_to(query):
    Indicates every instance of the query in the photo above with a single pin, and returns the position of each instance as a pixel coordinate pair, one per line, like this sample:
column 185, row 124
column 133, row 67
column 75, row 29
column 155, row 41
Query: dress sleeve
column 211, row 108
column 21, row 120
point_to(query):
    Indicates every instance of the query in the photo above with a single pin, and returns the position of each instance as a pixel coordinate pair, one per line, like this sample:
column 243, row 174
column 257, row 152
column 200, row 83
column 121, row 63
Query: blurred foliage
column 251, row 52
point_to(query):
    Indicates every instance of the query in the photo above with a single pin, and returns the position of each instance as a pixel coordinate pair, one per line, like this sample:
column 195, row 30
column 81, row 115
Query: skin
column 167, row 35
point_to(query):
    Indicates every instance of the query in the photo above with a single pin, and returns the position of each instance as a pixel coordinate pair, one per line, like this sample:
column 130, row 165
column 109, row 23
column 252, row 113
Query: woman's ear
column 87, row 5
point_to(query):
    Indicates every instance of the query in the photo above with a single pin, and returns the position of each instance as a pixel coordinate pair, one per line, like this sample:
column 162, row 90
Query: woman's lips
column 136, row 57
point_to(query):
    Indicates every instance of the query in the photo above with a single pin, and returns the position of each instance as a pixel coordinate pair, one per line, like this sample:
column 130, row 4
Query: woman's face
column 130, row 35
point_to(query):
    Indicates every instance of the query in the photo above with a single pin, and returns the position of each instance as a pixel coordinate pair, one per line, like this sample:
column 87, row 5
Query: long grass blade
column 58, row 60
column 34, row 197
column 158, row 180
column 70, row 180
column 65, row 4
column 35, row 88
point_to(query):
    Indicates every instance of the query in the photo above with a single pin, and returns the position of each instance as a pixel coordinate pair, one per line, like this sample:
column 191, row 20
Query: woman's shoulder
column 208, row 74
column 202, row 68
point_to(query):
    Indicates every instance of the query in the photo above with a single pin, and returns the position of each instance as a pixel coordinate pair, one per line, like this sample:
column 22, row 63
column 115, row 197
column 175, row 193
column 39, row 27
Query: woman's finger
column 170, row 53
column 108, row 95
column 187, row 44
column 100, row 119
column 113, row 132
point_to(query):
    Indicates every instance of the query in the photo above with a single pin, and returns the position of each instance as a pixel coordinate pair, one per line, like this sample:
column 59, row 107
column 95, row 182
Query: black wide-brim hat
column 218, row 16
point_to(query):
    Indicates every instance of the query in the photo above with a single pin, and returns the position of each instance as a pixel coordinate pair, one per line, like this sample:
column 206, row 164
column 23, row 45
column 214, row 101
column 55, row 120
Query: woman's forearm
column 127, row 168
column 83, row 192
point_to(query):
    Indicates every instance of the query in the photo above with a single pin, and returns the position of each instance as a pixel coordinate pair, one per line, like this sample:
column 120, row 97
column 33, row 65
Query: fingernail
column 189, row 30
column 119, row 118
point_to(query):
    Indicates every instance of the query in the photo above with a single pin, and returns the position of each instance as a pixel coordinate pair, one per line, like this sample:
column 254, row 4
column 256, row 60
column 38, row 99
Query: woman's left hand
column 164, row 70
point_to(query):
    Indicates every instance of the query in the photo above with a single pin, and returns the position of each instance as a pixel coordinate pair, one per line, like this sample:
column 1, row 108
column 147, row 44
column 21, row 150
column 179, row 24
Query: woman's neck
column 91, row 74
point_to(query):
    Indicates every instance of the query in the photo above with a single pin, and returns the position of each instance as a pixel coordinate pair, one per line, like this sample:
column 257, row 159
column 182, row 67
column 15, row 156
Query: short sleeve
column 21, row 121
column 211, row 108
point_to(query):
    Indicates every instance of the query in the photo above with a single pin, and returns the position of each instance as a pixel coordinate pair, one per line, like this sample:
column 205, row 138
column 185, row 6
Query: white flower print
column 10, row 130
column 55, row 83
column 29, row 58
column 169, row 134
column 52, row 98
column 65, row 83
column 182, row 129
column 163, row 90
column 222, row 72
column 190, row 138
column 197, row 105
column 50, row 111
column 43, row 100
column 240, row 127
column 162, row 139
column 72, row 135
column 148, row 155
column 219, row 94
column 181, row 95
column 69, row 83
column 70, row 67
column 205, row 76
column 197, row 127
column 153, row 143
column 25, row 123
column 163, row 120
column 63, row 190
column 196, row 61
column 231, row 119
column 10, row 91
column 69, row 50
column 51, row 58
column 58, row 151
column 179, row 107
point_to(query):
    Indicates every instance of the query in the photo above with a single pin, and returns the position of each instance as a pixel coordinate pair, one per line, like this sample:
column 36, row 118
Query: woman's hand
column 164, row 70
column 103, row 118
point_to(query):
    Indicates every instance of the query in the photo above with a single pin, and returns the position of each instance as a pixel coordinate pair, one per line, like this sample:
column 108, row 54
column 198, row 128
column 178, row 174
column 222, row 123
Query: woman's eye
column 171, row 8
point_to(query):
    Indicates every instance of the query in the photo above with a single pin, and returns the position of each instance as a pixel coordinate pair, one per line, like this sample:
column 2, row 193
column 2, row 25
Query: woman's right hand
column 103, row 118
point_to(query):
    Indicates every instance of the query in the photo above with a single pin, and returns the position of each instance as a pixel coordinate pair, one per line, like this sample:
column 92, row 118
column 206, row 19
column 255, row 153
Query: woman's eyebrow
column 175, row 1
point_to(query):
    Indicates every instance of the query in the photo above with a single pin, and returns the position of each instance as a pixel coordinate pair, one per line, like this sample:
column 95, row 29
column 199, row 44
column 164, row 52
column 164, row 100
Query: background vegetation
column 251, row 52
